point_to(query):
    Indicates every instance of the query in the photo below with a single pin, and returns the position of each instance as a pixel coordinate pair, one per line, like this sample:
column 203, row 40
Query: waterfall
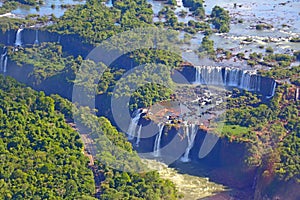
column 232, row 77
column 245, row 81
column 138, row 139
column 190, row 132
column 3, row 60
column 18, row 41
column 198, row 76
column 209, row 75
column 36, row 42
column 297, row 94
column 132, row 126
column 156, row 149
column 5, row 65
column 273, row 90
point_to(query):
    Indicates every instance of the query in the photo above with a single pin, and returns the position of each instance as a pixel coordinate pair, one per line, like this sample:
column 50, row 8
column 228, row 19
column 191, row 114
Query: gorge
column 207, row 75
column 240, row 102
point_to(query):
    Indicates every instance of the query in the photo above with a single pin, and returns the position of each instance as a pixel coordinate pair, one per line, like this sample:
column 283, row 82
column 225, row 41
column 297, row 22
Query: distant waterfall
column 273, row 90
column 297, row 94
column 156, row 149
column 233, row 77
column 190, row 132
column 18, row 41
column 3, row 60
column 138, row 139
column 132, row 126
column 5, row 64
column 209, row 75
column 36, row 41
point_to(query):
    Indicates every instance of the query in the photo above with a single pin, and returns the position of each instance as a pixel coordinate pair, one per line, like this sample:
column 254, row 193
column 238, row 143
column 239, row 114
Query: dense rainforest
column 42, row 156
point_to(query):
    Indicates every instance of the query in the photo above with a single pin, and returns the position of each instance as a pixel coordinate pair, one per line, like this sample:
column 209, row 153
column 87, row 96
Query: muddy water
column 192, row 187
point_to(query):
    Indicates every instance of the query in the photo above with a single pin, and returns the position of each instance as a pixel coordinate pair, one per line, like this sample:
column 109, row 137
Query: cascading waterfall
column 5, row 65
column 273, row 90
column 190, row 132
column 209, row 75
column 3, row 60
column 245, row 81
column 138, row 138
column 36, row 41
column 297, row 94
column 232, row 77
column 132, row 126
column 18, row 41
column 156, row 149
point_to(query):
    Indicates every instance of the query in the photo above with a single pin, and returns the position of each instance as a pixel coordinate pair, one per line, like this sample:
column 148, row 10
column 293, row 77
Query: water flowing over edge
column 133, row 125
column 156, row 148
column 3, row 60
column 190, row 132
column 232, row 77
column 18, row 41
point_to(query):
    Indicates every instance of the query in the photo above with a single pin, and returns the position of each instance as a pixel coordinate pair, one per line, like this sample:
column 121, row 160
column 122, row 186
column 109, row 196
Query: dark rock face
column 72, row 44
column 53, row 85
column 226, row 165
column 225, row 161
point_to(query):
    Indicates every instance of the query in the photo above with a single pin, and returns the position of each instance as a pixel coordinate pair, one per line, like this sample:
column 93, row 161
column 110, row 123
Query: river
column 46, row 9
column 191, row 186
column 284, row 18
